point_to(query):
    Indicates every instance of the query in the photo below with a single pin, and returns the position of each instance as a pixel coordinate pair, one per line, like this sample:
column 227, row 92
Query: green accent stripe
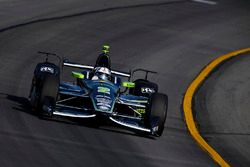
column 77, row 75
column 128, row 84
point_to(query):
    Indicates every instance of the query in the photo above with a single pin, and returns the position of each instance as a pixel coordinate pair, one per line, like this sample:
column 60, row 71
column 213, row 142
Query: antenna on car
column 143, row 70
column 47, row 54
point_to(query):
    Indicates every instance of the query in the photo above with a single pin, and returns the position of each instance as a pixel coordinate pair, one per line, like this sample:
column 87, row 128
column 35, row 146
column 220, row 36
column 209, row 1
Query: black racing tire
column 157, row 113
column 33, row 97
column 49, row 93
column 46, row 75
column 141, row 84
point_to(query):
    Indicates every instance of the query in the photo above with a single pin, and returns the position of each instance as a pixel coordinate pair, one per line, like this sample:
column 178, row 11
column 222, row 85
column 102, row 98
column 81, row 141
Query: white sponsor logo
column 103, row 104
column 147, row 90
column 103, row 107
column 47, row 69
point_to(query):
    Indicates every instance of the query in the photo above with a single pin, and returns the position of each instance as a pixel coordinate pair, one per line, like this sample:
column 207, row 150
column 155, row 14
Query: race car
column 99, row 91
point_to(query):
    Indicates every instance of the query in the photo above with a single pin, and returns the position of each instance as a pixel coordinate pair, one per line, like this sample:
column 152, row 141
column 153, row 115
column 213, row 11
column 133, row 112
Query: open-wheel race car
column 99, row 91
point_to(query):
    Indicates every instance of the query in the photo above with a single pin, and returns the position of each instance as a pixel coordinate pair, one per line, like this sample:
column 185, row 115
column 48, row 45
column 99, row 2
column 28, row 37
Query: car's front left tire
column 156, row 113
column 48, row 96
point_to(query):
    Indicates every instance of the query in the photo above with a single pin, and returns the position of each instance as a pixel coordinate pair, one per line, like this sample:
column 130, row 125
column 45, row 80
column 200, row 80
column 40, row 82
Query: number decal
column 103, row 90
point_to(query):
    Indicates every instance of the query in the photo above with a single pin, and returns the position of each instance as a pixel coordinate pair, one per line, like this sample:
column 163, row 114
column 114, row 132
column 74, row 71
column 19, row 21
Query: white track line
column 206, row 2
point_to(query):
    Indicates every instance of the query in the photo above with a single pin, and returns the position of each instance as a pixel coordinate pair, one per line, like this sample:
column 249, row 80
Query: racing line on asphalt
column 188, row 98
column 206, row 2
column 89, row 12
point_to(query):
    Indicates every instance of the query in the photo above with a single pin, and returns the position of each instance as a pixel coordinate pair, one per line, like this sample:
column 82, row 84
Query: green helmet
column 105, row 49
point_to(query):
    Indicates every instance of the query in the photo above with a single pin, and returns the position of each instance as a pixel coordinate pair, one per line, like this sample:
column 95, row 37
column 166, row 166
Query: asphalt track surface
column 175, row 39
column 222, row 105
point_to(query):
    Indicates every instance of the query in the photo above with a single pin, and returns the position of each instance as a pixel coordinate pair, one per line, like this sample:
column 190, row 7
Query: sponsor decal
column 103, row 103
column 147, row 90
column 141, row 110
column 155, row 128
column 47, row 69
column 103, row 96
column 103, row 108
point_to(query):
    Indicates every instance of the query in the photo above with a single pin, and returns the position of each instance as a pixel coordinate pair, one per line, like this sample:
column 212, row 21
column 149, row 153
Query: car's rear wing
column 87, row 67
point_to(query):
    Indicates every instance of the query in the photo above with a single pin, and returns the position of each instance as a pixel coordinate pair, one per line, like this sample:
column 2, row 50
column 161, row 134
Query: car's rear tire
column 48, row 96
column 143, row 88
column 157, row 113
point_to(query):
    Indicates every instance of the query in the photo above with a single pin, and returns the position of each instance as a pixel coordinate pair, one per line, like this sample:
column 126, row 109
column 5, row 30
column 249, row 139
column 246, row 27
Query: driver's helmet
column 102, row 73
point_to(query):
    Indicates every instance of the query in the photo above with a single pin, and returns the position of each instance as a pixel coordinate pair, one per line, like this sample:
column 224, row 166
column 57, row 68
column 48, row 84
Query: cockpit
column 102, row 73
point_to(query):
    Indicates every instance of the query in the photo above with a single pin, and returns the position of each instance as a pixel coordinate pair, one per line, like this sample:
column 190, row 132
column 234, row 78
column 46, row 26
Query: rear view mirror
column 77, row 75
column 128, row 84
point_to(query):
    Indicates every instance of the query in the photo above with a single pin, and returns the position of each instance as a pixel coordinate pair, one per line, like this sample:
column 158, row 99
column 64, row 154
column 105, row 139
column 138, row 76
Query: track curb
column 187, row 104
